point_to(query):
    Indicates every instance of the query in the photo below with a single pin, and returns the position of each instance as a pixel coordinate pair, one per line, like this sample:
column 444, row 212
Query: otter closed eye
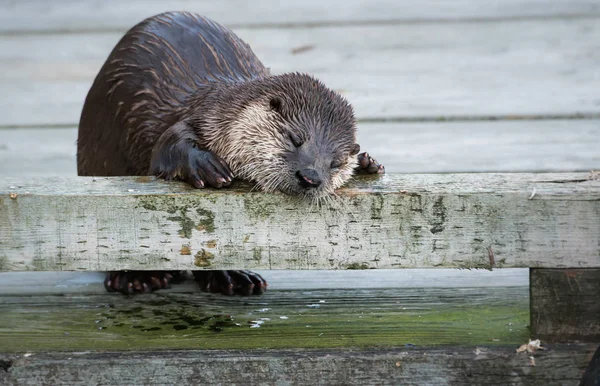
column 296, row 140
column 275, row 104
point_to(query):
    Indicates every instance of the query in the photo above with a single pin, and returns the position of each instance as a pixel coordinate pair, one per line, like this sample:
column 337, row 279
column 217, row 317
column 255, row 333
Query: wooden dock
column 438, row 87
column 494, row 86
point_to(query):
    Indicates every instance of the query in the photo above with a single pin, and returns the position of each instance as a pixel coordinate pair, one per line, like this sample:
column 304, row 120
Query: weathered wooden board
column 565, row 304
column 396, row 221
column 77, row 15
column 561, row 365
column 424, row 147
column 38, row 152
column 484, row 146
column 278, row 319
column 414, row 71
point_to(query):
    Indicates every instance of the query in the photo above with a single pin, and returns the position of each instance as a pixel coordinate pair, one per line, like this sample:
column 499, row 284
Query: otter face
column 293, row 135
column 318, row 158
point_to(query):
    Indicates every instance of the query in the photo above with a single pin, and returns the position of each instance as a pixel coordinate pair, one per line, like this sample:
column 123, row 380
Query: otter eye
column 275, row 104
column 296, row 140
column 336, row 164
column 355, row 149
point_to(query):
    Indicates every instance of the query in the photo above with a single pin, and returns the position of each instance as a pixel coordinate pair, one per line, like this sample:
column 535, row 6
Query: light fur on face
column 254, row 146
column 270, row 129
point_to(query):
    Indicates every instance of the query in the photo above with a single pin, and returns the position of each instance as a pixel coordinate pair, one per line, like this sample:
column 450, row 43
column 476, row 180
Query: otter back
column 143, row 86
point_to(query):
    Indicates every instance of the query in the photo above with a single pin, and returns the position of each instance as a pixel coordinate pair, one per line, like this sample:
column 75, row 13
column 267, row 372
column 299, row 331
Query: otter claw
column 369, row 165
column 363, row 160
column 211, row 169
column 231, row 282
column 138, row 281
column 197, row 183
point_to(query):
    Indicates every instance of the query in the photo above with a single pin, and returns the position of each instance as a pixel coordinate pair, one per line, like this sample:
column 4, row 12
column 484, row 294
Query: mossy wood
column 396, row 221
column 395, row 317
column 561, row 365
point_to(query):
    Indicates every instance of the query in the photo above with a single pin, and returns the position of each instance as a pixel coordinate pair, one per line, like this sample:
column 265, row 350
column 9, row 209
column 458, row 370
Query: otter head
column 294, row 135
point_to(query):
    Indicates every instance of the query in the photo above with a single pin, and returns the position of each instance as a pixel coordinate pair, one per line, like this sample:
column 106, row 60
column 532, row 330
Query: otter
column 182, row 97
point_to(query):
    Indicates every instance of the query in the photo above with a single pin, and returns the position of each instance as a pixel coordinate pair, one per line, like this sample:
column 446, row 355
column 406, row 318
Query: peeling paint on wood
column 397, row 221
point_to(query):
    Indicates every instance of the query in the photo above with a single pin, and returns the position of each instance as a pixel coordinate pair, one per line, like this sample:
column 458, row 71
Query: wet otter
column 182, row 97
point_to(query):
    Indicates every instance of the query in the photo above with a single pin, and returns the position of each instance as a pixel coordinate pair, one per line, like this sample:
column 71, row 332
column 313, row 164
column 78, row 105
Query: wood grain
column 415, row 71
column 397, row 221
column 77, row 15
column 562, row 365
column 565, row 304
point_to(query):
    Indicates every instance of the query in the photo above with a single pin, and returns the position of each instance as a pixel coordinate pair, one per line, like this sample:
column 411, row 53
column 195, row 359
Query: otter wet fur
column 182, row 97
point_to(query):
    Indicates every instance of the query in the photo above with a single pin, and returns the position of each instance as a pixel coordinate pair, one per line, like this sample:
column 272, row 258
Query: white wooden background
column 437, row 86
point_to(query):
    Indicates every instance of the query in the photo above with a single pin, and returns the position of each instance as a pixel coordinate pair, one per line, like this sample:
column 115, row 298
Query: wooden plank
column 485, row 146
column 397, row 221
column 562, row 365
column 424, row 147
column 415, row 71
column 74, row 15
column 565, row 304
column 38, row 152
column 278, row 319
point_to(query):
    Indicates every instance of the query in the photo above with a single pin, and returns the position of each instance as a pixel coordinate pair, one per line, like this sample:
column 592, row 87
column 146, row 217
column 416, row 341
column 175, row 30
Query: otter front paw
column 199, row 168
column 369, row 165
column 177, row 155
column 231, row 282
column 130, row 282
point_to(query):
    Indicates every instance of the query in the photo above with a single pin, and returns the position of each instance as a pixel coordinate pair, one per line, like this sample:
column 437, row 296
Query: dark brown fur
column 150, row 81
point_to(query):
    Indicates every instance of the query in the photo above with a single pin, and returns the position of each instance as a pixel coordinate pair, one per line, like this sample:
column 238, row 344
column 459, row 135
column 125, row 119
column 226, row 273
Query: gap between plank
column 321, row 24
column 399, row 119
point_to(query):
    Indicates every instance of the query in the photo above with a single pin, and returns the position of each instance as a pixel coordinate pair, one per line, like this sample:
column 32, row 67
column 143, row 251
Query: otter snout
column 308, row 178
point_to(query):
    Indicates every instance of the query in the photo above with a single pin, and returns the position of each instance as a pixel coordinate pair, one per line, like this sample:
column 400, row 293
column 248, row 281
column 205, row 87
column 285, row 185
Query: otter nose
column 308, row 178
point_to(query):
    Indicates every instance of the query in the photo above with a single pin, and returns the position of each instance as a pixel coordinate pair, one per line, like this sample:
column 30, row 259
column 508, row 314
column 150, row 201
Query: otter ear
column 355, row 149
column 275, row 104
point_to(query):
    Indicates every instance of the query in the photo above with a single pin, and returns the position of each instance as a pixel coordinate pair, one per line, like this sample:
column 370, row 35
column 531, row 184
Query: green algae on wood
column 278, row 319
column 207, row 221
